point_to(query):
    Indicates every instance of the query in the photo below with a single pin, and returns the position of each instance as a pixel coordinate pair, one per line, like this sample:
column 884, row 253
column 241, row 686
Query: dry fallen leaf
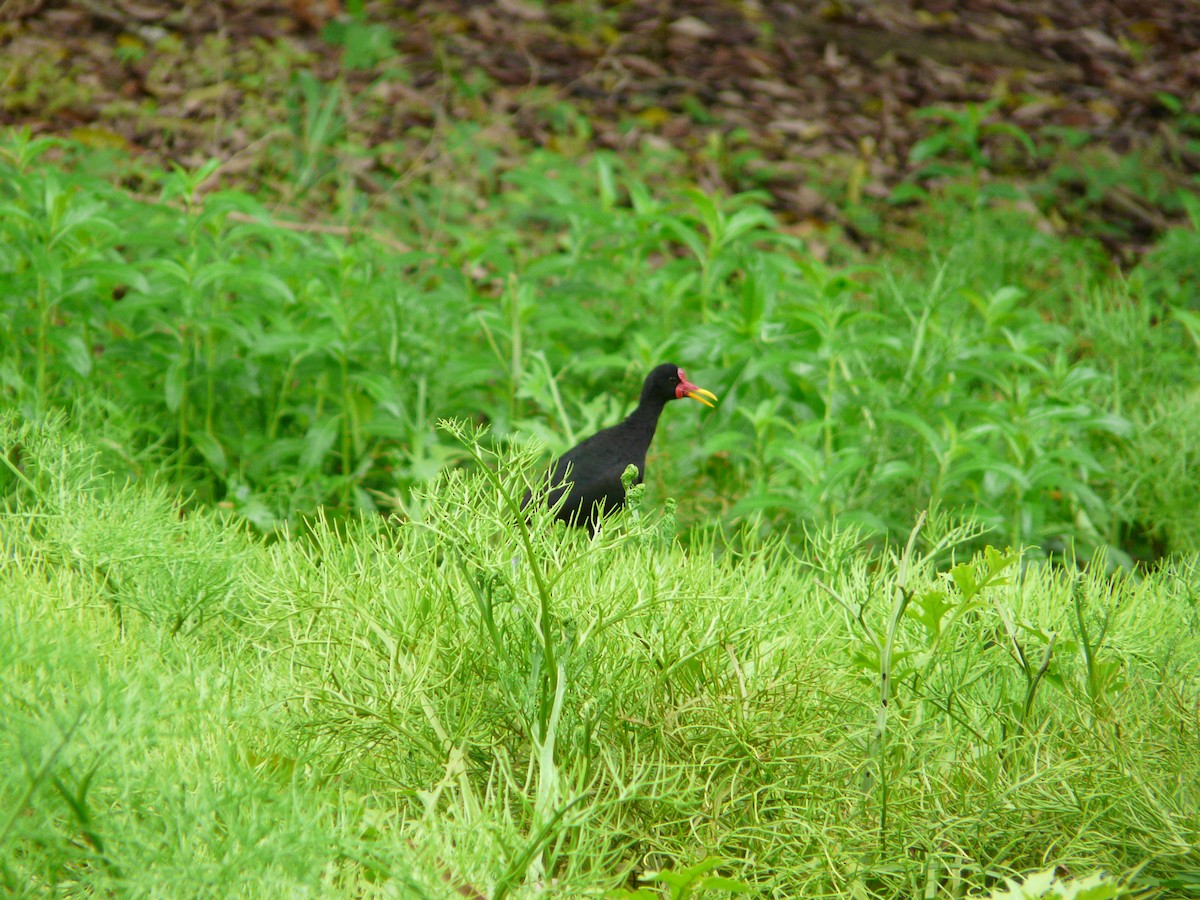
column 691, row 27
column 523, row 10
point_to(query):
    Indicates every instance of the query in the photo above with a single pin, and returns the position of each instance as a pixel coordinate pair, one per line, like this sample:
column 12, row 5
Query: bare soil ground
column 811, row 101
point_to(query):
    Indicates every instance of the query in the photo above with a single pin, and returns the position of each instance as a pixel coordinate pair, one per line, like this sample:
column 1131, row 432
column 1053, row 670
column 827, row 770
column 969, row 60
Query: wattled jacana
column 590, row 472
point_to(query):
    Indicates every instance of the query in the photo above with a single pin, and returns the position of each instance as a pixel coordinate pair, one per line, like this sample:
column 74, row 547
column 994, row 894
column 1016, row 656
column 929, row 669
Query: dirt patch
column 813, row 102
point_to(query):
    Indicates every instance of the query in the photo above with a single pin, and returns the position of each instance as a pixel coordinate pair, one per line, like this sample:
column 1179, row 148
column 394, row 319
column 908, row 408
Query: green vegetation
column 277, row 371
column 457, row 702
column 912, row 612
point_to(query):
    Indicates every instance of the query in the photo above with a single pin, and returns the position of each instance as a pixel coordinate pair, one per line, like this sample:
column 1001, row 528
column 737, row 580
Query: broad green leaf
column 318, row 442
column 174, row 383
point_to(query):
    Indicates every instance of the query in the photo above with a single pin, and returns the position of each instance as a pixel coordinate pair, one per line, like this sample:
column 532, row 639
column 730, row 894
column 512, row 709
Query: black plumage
column 590, row 472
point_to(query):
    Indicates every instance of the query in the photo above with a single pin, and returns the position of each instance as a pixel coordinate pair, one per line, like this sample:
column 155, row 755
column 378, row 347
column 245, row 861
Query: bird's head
column 667, row 382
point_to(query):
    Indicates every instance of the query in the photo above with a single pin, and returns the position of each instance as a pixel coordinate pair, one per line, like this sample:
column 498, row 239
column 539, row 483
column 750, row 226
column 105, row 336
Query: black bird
column 590, row 472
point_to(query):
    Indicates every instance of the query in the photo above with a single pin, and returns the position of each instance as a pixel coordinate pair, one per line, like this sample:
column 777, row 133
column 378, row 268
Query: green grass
column 403, row 709
column 999, row 370
column 911, row 613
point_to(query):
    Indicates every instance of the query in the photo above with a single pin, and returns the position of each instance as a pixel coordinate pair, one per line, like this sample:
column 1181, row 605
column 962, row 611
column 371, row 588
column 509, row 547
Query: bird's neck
column 645, row 416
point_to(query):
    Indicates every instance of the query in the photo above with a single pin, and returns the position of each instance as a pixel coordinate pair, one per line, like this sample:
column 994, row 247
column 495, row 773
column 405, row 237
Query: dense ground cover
column 997, row 369
column 455, row 707
column 911, row 611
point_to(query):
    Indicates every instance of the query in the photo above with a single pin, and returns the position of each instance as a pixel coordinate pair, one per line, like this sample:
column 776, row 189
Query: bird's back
column 592, row 472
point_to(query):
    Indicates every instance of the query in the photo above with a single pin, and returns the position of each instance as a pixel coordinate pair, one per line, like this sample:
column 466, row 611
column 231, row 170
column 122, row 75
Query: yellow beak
column 700, row 395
